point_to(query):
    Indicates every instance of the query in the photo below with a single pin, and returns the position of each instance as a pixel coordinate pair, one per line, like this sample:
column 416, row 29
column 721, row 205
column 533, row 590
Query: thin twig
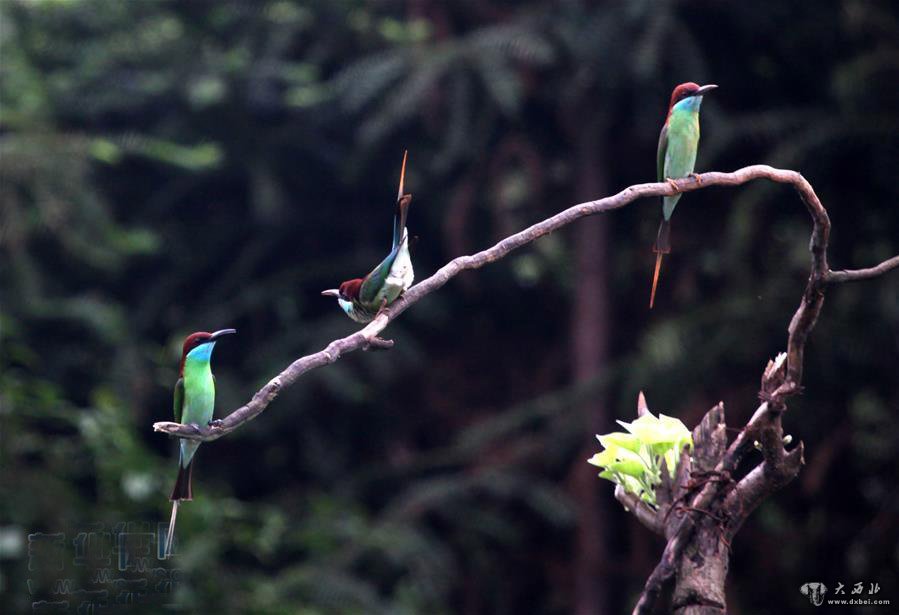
column 852, row 275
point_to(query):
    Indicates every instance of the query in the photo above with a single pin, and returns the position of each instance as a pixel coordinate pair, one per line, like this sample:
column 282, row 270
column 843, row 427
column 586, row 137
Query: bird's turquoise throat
column 199, row 394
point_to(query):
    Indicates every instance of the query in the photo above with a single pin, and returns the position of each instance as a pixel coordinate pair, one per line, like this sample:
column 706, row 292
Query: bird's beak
column 220, row 333
column 705, row 89
column 333, row 292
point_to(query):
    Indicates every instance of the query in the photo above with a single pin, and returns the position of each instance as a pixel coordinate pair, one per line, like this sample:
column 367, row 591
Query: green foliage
column 635, row 460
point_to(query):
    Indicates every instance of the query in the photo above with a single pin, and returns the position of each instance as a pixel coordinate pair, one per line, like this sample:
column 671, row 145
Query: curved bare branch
column 368, row 336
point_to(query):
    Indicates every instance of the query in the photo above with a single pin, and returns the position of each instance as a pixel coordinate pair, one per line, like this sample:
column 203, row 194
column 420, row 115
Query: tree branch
column 644, row 513
column 782, row 378
column 368, row 336
column 852, row 275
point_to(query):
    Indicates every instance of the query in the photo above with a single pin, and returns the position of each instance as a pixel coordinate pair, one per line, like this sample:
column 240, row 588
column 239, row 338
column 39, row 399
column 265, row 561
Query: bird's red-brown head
column 198, row 339
column 685, row 90
column 348, row 291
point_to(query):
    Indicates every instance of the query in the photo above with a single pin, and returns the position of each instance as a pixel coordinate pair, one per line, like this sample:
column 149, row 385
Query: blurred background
column 169, row 167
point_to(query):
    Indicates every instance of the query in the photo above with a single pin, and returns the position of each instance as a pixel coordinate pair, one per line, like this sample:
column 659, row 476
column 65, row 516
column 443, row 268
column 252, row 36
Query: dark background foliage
column 170, row 167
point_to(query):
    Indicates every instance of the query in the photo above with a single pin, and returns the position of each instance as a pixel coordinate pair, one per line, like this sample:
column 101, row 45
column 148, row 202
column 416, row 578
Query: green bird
column 362, row 298
column 678, row 143
column 194, row 404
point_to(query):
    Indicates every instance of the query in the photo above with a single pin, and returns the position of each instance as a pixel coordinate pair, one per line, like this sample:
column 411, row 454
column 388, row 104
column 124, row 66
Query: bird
column 194, row 404
column 363, row 298
column 678, row 143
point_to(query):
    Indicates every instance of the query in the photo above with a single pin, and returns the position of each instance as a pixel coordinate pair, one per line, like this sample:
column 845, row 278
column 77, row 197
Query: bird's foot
column 673, row 184
column 696, row 177
column 215, row 422
column 383, row 310
column 379, row 343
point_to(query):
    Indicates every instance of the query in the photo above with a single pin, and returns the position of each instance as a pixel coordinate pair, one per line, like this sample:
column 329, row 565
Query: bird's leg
column 696, row 177
column 379, row 343
column 215, row 422
column 383, row 309
column 673, row 184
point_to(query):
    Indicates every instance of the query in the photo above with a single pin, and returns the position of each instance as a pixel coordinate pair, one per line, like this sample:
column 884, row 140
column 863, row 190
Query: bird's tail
column 182, row 490
column 171, row 535
column 402, row 206
column 661, row 247
column 663, row 239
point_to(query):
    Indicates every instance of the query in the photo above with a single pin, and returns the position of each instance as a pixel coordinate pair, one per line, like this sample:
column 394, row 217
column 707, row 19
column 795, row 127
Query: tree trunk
column 589, row 342
column 701, row 574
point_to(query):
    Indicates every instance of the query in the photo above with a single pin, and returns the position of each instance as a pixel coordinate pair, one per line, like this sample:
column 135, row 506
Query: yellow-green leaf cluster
column 633, row 459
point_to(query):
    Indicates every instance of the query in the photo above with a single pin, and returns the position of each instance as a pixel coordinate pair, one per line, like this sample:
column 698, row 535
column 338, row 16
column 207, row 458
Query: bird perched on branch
column 363, row 298
column 678, row 143
column 194, row 404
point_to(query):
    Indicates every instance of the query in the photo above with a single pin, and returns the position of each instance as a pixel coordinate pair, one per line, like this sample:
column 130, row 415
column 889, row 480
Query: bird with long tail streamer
column 194, row 404
column 678, row 144
column 363, row 298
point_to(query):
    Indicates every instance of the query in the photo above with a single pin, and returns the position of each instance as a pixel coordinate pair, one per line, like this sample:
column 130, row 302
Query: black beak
column 705, row 89
column 220, row 333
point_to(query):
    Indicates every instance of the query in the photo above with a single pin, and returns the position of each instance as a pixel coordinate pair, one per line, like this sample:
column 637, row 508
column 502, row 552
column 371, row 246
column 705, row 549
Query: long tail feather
column 399, row 193
column 655, row 278
column 182, row 489
column 171, row 535
column 663, row 238
column 402, row 207
column 661, row 247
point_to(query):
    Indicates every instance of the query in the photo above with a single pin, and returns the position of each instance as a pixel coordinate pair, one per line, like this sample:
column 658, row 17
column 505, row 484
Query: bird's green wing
column 179, row 399
column 663, row 149
column 374, row 281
